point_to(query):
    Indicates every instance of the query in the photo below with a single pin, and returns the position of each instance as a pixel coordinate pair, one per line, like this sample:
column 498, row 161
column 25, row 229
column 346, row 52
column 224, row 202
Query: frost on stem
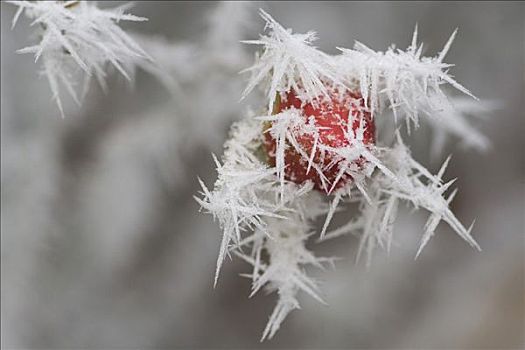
column 289, row 61
column 412, row 184
column 78, row 39
column 285, row 274
column 257, row 220
column 404, row 81
column 266, row 216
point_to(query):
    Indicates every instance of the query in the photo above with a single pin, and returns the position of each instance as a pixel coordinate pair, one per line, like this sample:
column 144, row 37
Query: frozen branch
column 78, row 40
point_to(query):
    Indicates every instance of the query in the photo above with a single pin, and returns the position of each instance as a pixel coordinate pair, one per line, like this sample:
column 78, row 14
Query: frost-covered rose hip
column 336, row 120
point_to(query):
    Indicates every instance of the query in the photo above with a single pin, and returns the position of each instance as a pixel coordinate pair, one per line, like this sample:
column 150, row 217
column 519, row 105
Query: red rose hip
column 332, row 117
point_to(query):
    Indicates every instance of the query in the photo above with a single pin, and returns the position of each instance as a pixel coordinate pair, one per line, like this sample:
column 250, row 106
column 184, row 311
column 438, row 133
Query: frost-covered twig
column 403, row 80
column 247, row 203
column 314, row 148
column 292, row 63
column 77, row 41
column 414, row 185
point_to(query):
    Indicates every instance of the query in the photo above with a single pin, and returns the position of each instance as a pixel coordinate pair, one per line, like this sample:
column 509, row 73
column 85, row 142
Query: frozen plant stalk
column 313, row 148
column 78, row 40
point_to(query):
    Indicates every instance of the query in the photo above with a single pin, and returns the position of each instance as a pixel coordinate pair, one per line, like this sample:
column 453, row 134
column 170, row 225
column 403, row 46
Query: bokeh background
column 103, row 245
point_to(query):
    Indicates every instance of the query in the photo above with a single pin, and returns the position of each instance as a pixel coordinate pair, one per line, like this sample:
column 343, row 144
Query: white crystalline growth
column 403, row 81
column 267, row 218
column 78, row 40
column 256, row 220
column 289, row 61
column 263, row 215
column 412, row 184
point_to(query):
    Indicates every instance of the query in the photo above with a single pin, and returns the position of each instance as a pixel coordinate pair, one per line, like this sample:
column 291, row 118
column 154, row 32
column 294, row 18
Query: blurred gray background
column 103, row 246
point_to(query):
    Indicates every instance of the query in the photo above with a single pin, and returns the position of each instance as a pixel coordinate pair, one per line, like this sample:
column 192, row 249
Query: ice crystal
column 266, row 218
column 247, row 203
column 292, row 62
column 409, row 82
column 78, row 38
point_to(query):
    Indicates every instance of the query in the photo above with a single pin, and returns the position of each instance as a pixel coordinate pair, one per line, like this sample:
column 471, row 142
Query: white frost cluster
column 266, row 219
column 79, row 40
column 85, row 41
column 248, row 204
